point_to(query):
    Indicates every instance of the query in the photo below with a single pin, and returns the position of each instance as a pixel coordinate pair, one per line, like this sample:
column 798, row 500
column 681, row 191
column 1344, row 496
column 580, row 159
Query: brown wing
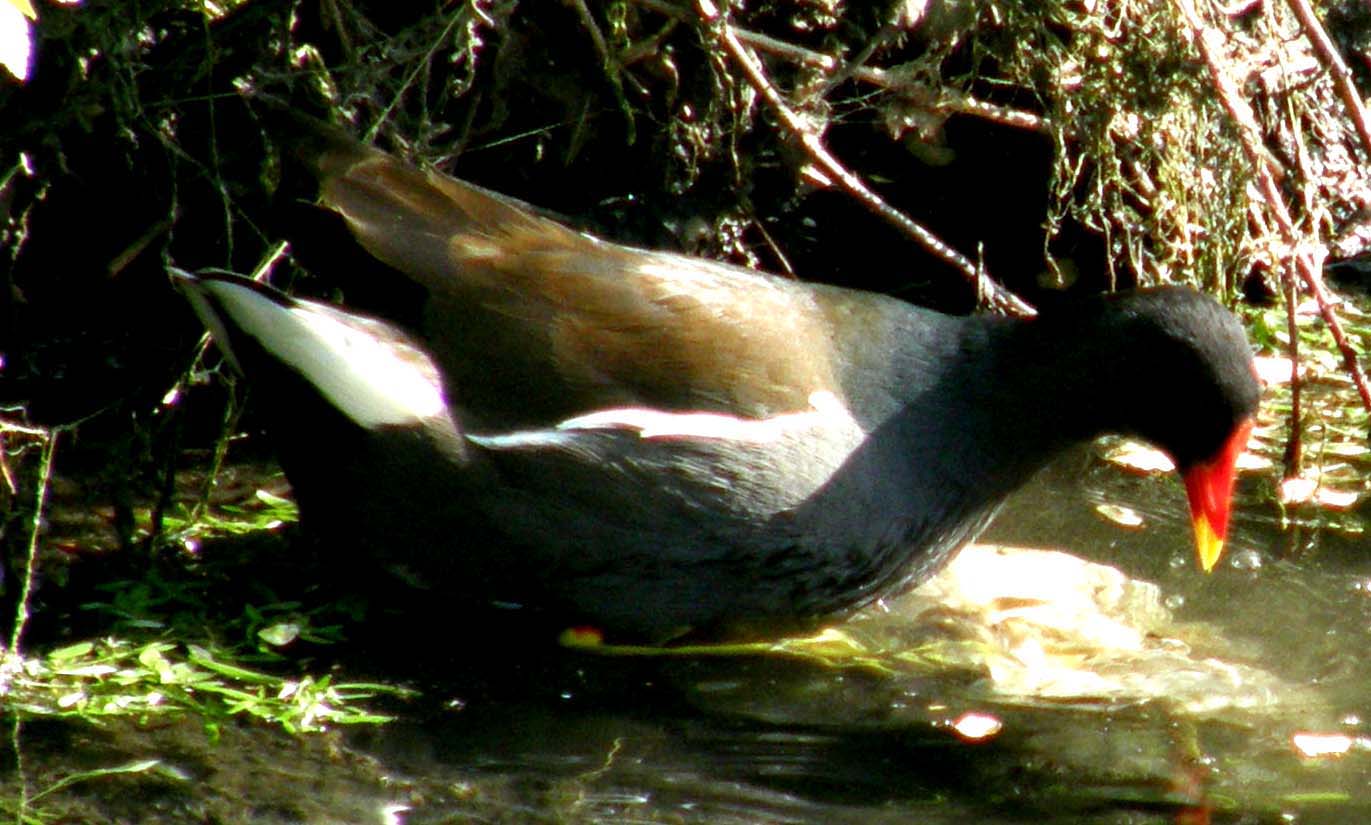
column 534, row 322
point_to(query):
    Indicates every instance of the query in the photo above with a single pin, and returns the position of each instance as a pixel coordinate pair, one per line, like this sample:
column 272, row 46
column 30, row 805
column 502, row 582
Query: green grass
column 191, row 634
column 119, row 677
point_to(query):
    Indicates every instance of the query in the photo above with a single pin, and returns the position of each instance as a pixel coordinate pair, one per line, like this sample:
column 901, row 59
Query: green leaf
column 279, row 635
column 76, row 651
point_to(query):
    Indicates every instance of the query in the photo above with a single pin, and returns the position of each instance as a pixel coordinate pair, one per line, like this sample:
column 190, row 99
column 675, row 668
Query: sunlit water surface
column 1025, row 686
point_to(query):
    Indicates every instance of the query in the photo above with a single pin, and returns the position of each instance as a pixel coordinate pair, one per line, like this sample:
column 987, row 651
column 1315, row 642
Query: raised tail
column 369, row 370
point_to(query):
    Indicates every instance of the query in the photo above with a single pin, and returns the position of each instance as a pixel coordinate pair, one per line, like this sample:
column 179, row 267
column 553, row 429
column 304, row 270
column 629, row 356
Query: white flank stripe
column 528, row 439
column 825, row 411
column 374, row 382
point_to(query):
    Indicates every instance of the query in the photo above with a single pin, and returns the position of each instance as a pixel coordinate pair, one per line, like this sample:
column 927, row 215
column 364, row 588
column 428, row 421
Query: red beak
column 1210, row 487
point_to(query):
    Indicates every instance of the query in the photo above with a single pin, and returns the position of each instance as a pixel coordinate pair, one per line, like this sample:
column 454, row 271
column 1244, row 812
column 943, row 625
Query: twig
column 592, row 29
column 999, row 298
column 419, row 65
column 6, row 427
column 1294, row 453
column 1333, row 62
column 10, row 657
column 884, row 35
column 939, row 100
column 278, row 252
column 1249, row 133
column 134, row 249
column 23, row 429
column 608, row 63
column 775, row 249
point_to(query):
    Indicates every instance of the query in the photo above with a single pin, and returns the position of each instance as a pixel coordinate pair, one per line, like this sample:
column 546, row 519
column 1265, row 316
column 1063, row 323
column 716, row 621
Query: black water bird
column 656, row 445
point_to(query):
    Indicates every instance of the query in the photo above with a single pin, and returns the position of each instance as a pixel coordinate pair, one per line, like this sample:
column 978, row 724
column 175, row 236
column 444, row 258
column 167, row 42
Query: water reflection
column 1113, row 700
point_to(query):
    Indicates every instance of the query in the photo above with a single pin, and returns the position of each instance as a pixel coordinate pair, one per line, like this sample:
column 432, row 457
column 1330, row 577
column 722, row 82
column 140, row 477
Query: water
column 1106, row 701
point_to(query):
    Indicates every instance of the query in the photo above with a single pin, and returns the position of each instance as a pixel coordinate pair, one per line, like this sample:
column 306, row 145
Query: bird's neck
column 1066, row 377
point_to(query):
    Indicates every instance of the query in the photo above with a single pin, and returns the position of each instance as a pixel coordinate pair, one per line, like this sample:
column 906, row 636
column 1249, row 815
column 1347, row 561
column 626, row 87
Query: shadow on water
column 1188, row 711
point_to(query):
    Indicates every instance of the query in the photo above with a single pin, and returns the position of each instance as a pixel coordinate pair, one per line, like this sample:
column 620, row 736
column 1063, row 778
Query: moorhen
column 656, row 445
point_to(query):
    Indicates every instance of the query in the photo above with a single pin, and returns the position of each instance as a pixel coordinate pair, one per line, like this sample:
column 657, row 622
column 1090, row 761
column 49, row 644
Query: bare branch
column 942, row 100
column 998, row 298
column 1342, row 78
column 1304, row 258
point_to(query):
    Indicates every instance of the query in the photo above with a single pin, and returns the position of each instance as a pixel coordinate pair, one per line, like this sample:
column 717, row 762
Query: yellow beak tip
column 1207, row 544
